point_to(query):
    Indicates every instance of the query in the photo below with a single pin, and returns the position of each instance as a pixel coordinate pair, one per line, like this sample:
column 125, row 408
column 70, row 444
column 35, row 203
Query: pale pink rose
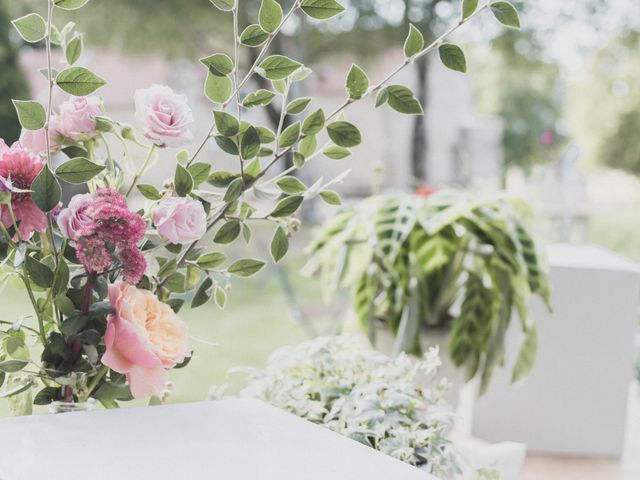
column 144, row 337
column 77, row 117
column 74, row 218
column 180, row 220
column 36, row 140
column 164, row 116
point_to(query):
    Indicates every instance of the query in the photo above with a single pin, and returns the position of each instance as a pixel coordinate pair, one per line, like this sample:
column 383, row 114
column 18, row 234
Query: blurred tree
column 605, row 109
column 12, row 81
column 517, row 84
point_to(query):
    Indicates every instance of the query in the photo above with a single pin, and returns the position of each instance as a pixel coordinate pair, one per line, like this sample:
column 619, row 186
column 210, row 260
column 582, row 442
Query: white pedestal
column 226, row 440
column 575, row 400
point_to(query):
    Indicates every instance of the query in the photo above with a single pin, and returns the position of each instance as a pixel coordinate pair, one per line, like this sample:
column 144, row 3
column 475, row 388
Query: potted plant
column 420, row 263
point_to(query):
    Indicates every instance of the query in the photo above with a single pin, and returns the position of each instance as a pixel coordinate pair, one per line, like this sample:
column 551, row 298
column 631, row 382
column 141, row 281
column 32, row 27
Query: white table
column 225, row 440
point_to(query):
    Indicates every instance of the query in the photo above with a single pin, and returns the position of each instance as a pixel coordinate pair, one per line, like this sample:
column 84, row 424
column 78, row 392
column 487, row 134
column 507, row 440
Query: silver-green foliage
column 394, row 406
column 449, row 259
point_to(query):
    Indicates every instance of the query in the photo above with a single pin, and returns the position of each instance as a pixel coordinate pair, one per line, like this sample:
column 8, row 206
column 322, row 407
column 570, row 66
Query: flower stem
column 141, row 171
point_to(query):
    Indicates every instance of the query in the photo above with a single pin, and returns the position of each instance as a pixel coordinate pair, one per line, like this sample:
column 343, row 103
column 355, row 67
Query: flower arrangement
column 444, row 259
column 107, row 282
column 392, row 405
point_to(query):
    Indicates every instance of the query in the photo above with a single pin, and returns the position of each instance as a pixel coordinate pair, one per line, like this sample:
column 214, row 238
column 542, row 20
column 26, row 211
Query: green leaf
column 221, row 179
column 78, row 171
column 414, row 42
column 331, row 197
column 290, row 135
column 253, row 36
column 382, row 97
column 234, row 190
column 253, row 169
column 47, row 395
column 336, row 153
column 298, row 160
column 287, row 206
column 270, row 15
column 32, row 115
column 291, row 185
column 308, row 145
column 246, row 267
column 202, row 295
column 168, row 268
column 74, row 49
column 32, row 27
column 279, row 244
column 280, row 86
column 266, row 135
column 73, row 324
column 506, row 14
column 344, row 134
column 211, row 260
column 16, row 348
column 321, row 9
column 526, row 356
column 38, row 272
column 357, row 82
column 298, row 105
column 149, row 191
column 250, row 144
column 452, row 57
column 218, row 89
column 182, row 181
column 226, row 124
column 46, row 190
column 260, row 97
column 220, row 296
column 227, row 233
column 70, row 4
column 227, row 145
column 60, row 279
column 219, row 64
column 79, row 81
column 11, row 366
column 313, row 123
column 468, row 8
column 224, row 5
column 300, row 74
column 278, row 67
column 199, row 172
column 402, row 100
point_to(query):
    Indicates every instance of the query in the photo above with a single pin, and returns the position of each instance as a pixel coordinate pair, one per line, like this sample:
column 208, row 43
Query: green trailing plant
column 450, row 259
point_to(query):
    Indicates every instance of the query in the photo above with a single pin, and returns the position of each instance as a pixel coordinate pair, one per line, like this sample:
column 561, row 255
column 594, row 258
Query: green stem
column 34, row 303
column 94, row 381
column 141, row 171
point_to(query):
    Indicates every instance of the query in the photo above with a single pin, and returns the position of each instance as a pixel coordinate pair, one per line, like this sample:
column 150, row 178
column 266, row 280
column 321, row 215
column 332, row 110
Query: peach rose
column 144, row 338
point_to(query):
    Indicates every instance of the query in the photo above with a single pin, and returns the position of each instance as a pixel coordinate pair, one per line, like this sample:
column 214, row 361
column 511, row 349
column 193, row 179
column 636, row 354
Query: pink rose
column 144, row 337
column 74, row 218
column 163, row 116
column 180, row 220
column 36, row 140
column 77, row 117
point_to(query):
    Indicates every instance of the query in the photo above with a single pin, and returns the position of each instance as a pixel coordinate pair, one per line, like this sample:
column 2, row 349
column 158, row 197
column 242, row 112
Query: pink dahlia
column 21, row 167
column 105, row 230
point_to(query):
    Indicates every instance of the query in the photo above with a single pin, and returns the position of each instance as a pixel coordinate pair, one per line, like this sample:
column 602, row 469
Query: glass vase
column 66, row 407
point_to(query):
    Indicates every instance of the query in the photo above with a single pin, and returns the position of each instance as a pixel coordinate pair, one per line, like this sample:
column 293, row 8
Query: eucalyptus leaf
column 291, row 185
column 414, row 42
column 149, row 192
column 219, row 64
column 289, row 136
column 218, row 89
column 468, row 8
column 211, row 260
column 321, row 9
column 74, row 48
column 182, row 181
column 70, row 4
column 250, row 144
column 224, row 5
column 506, row 14
column 46, row 191
column 253, row 36
column 403, row 100
column 259, row 98
column 32, row 27
column 227, row 233
column 344, row 134
column 286, row 207
column 270, row 15
column 357, row 82
column 314, row 123
column 452, row 57
column 279, row 244
column 203, row 294
column 336, row 153
column 278, row 67
column 246, row 267
column 226, row 124
column 297, row 106
column 32, row 115
column 78, row 170
column 79, row 81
